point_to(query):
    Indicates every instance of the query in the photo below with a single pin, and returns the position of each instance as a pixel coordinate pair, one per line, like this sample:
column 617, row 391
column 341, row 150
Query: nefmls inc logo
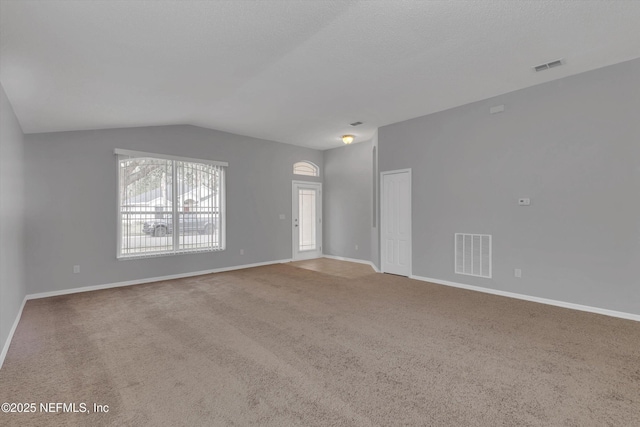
column 55, row 407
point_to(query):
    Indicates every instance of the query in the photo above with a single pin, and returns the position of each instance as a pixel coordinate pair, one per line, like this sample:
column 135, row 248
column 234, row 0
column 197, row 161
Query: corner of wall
column 12, row 227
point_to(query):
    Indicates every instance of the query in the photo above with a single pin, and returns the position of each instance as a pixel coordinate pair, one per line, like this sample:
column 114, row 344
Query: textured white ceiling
column 291, row 71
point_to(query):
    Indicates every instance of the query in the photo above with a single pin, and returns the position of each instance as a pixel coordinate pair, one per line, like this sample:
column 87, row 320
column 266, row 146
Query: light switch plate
column 524, row 202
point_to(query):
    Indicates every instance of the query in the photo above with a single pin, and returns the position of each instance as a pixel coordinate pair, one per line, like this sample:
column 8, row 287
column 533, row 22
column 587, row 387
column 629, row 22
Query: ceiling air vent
column 555, row 63
column 355, row 124
column 548, row 65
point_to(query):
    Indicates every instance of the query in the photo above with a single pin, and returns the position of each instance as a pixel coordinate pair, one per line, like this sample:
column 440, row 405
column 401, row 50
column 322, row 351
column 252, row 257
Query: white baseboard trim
column 7, row 343
column 359, row 261
column 570, row 305
column 150, row 280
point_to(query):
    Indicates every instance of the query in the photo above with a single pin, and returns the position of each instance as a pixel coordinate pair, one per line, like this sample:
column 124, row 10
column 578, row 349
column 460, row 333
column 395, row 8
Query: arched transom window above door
column 306, row 168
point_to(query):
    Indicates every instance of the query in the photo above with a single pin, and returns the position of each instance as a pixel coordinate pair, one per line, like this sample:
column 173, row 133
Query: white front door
column 306, row 218
column 395, row 207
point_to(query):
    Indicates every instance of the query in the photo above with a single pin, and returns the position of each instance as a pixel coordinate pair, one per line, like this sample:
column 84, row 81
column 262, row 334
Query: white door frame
column 295, row 242
column 382, row 218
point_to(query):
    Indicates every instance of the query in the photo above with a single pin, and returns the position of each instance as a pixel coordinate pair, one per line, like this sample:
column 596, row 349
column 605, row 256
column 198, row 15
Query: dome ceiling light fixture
column 348, row 139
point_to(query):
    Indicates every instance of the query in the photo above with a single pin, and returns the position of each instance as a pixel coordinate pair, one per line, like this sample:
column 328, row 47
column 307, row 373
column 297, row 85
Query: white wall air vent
column 552, row 64
column 473, row 254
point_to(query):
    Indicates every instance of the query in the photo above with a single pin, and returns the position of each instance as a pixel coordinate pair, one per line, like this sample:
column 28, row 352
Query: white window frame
column 306, row 163
column 175, row 250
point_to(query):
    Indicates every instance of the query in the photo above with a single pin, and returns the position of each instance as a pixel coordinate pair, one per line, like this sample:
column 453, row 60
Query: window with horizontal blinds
column 169, row 205
column 306, row 168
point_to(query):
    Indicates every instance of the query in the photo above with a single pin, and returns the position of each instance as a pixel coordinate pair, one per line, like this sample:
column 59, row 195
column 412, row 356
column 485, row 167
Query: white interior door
column 396, row 222
column 307, row 220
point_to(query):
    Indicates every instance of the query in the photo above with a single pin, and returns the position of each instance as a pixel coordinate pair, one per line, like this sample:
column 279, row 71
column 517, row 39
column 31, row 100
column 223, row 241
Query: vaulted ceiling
column 291, row 71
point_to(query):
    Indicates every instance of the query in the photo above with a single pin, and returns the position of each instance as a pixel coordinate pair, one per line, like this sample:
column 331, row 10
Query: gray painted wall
column 347, row 202
column 375, row 201
column 72, row 196
column 573, row 147
column 12, row 255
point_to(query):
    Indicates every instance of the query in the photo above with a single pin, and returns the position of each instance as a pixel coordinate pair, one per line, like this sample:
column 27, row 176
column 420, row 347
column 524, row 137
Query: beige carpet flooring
column 287, row 346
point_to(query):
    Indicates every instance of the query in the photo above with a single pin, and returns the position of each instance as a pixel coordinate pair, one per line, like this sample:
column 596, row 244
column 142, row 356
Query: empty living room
column 319, row 213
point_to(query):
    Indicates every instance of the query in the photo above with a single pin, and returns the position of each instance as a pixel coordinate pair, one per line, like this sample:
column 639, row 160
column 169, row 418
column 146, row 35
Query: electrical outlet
column 76, row 269
column 241, row 251
column 517, row 272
